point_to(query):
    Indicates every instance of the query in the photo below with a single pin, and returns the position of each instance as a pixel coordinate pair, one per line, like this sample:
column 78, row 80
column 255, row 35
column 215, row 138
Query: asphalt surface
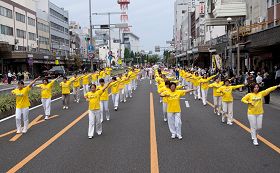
column 207, row 145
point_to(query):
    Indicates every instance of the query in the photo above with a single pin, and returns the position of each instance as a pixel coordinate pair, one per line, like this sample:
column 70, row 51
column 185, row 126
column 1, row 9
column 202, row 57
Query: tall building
column 131, row 41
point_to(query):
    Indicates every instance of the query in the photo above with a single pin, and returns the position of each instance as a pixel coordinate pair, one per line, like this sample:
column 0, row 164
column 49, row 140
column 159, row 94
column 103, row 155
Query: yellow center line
column 52, row 117
column 8, row 133
column 265, row 141
column 153, row 139
column 29, row 126
column 45, row 145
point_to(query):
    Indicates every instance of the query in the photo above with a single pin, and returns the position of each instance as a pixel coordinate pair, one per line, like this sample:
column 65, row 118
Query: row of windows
column 60, row 41
column 43, row 27
column 6, row 30
column 20, row 17
column 58, row 15
column 21, row 33
column 59, row 27
column 32, row 36
column 271, row 2
column 6, row 12
column 43, row 40
column 31, row 21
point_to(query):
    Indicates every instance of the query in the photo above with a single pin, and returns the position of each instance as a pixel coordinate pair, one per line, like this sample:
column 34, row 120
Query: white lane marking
column 35, row 107
column 187, row 104
column 150, row 82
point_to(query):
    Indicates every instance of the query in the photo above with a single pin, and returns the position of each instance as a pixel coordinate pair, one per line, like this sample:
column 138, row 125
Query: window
column 43, row 27
column 58, row 15
column 31, row 21
column 66, row 30
column 32, row 36
column 6, row 12
column 21, row 33
column 43, row 40
column 20, row 17
column 57, row 27
column 6, row 30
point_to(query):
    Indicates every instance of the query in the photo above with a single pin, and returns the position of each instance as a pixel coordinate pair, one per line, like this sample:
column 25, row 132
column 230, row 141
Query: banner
column 214, row 62
column 218, row 61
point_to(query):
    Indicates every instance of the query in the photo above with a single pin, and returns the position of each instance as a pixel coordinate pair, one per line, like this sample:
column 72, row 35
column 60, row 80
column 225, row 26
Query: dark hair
column 64, row 78
column 20, row 82
column 252, row 86
column 114, row 78
column 227, row 80
column 101, row 81
column 46, row 79
column 92, row 86
column 172, row 83
column 167, row 82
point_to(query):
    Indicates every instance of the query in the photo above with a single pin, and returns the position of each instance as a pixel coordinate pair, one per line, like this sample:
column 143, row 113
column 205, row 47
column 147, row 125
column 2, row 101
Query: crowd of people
column 196, row 82
column 96, row 92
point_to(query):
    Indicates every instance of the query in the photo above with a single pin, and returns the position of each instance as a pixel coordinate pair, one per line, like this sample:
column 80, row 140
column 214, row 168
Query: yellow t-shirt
column 216, row 86
column 164, row 90
column 46, row 90
column 65, row 87
column 257, row 101
column 195, row 80
column 226, row 92
column 94, row 99
column 121, row 83
column 22, row 100
column 94, row 77
column 115, row 87
column 85, row 79
column 101, row 74
column 105, row 94
column 76, row 82
column 173, row 100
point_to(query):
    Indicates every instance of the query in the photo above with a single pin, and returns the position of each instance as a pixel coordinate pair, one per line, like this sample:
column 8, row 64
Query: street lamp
column 229, row 21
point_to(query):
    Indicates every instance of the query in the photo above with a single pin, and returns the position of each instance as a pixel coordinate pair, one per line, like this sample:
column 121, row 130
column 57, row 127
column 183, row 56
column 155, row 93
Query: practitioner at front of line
column 255, row 108
column 174, row 109
column 46, row 95
column 65, row 91
column 227, row 101
column 93, row 97
column 22, row 105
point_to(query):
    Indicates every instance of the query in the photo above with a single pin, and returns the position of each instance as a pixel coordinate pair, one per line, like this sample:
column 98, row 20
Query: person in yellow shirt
column 127, row 82
column 217, row 96
column 104, row 100
column 196, row 85
column 255, row 108
column 121, row 80
column 162, row 90
column 115, row 92
column 22, row 105
column 93, row 97
column 204, row 82
column 227, row 101
column 65, row 91
column 46, row 95
column 85, row 82
column 94, row 78
column 76, row 87
column 174, row 109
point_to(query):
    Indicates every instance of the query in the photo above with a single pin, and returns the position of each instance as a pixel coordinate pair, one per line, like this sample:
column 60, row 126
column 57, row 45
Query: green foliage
column 8, row 101
column 153, row 59
column 126, row 54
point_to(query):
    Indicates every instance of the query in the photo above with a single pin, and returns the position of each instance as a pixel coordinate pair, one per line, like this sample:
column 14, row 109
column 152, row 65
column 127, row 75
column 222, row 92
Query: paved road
column 207, row 145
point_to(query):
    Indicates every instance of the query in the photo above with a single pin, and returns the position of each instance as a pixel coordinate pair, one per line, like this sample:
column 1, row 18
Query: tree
column 132, row 56
column 78, row 62
column 153, row 59
column 126, row 55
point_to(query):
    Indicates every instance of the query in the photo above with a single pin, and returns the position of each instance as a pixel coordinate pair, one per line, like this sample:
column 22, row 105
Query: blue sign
column 90, row 48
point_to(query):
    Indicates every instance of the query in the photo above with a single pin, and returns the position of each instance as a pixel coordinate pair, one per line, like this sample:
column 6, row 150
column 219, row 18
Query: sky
column 151, row 20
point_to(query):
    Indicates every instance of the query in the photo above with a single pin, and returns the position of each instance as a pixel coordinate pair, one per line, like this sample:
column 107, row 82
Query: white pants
column 94, row 118
column 76, row 93
column 47, row 106
column 228, row 111
column 24, row 112
column 133, row 85
column 104, row 108
column 128, row 92
column 115, row 99
column 255, row 124
column 204, row 96
column 174, row 123
column 122, row 95
column 196, row 92
column 94, row 82
column 85, row 89
column 164, row 110
column 217, row 104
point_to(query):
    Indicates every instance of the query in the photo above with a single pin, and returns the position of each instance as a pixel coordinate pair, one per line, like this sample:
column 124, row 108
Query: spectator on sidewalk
column 10, row 77
column 277, row 75
column 267, row 83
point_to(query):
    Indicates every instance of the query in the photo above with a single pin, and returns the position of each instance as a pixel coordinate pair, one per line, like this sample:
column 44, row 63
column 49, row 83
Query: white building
column 131, row 41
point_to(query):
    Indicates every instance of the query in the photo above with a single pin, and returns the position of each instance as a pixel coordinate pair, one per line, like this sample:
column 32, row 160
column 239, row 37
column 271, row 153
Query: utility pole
column 90, row 32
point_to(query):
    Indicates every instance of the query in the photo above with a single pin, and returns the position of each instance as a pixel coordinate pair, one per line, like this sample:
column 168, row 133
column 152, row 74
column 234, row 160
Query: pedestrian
column 46, row 95
column 277, row 75
column 174, row 109
column 10, row 77
column 76, row 87
column 85, row 82
column 115, row 93
column 217, row 96
column 22, row 105
column 227, row 101
column 93, row 97
column 104, row 100
column 65, row 89
column 267, row 83
column 255, row 108
column 204, row 81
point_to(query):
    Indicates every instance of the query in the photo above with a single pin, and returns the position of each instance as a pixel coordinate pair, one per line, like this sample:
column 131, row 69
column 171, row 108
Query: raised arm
column 237, row 86
column 269, row 90
column 33, row 82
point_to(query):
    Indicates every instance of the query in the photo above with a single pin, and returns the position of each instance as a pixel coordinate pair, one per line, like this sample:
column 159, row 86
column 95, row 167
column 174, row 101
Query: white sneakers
column 18, row 131
column 255, row 142
column 165, row 120
column 24, row 130
column 64, row 107
column 229, row 123
column 90, row 137
column 46, row 117
column 180, row 137
column 116, row 108
column 173, row 136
